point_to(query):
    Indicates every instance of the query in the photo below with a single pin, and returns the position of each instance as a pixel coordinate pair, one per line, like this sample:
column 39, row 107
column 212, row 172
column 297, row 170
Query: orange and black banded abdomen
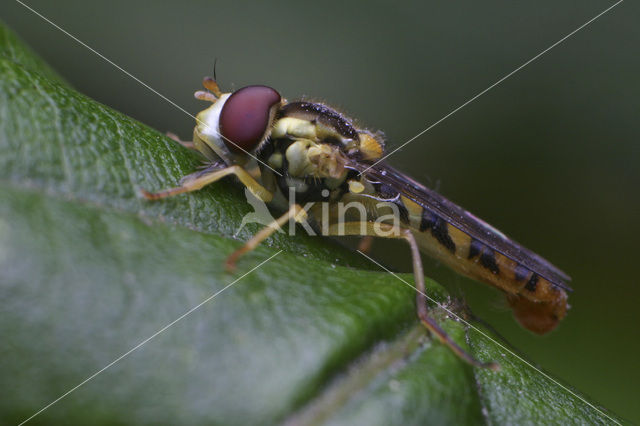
column 538, row 304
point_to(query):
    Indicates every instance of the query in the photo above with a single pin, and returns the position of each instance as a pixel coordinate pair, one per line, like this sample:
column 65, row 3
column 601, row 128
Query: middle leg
column 369, row 229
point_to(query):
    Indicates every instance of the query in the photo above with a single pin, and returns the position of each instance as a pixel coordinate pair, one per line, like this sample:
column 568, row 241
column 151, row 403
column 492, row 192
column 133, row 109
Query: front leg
column 186, row 144
column 295, row 212
column 213, row 173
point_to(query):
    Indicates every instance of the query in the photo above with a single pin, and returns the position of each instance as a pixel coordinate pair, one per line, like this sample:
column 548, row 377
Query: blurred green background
column 550, row 156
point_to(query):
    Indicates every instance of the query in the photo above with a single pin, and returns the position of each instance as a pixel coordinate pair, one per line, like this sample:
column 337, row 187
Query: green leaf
column 89, row 271
column 15, row 50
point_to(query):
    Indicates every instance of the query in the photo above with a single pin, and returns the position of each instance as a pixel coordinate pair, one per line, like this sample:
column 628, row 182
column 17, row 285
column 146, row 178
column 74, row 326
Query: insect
column 281, row 151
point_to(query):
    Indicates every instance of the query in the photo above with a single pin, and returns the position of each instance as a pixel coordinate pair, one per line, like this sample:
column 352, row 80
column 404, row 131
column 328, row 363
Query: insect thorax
column 310, row 146
column 307, row 171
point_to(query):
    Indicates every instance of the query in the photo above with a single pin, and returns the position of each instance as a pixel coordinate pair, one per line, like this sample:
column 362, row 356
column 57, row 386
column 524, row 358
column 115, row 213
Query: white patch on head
column 208, row 128
column 209, row 119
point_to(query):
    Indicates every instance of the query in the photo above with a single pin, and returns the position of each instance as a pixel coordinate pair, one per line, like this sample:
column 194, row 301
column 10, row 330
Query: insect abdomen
column 537, row 303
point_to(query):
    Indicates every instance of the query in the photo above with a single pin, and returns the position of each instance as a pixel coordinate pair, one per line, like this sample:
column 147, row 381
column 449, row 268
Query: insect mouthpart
column 306, row 158
column 328, row 160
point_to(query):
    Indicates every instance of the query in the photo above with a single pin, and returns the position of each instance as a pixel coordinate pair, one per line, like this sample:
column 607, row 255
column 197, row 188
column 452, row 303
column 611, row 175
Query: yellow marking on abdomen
column 538, row 304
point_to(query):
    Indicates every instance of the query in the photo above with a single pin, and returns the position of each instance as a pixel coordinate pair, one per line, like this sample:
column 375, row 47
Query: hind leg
column 369, row 228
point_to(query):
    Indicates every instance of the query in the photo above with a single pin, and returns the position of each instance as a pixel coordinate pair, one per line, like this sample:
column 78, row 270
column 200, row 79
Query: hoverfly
column 278, row 149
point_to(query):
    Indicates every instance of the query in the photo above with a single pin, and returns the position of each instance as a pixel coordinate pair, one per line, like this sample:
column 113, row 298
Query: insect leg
column 186, row 144
column 198, row 180
column 423, row 310
column 295, row 212
column 369, row 228
column 365, row 244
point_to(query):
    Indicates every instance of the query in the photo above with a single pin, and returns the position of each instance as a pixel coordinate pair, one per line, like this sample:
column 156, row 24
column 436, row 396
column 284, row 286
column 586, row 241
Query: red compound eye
column 245, row 116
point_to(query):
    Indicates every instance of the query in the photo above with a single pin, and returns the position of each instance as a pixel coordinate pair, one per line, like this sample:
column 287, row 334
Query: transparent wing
column 463, row 220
